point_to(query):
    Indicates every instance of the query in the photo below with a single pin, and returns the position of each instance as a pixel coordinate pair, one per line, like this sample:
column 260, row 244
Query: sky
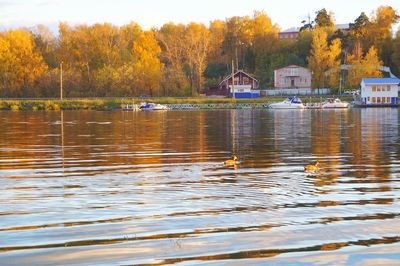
column 154, row 13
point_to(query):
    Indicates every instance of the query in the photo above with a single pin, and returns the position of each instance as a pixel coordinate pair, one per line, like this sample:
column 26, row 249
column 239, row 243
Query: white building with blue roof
column 379, row 92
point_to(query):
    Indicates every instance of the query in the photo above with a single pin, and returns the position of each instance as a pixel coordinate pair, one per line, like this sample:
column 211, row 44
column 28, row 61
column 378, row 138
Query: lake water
column 128, row 188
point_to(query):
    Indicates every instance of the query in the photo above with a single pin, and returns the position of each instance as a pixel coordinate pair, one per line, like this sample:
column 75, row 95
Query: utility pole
column 233, row 80
column 61, row 81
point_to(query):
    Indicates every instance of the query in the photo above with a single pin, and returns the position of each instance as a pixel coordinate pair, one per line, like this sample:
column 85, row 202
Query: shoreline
column 108, row 104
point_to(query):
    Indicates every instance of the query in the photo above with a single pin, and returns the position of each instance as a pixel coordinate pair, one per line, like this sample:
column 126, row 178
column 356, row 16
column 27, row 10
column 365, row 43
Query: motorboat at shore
column 289, row 103
column 131, row 107
column 334, row 103
column 152, row 107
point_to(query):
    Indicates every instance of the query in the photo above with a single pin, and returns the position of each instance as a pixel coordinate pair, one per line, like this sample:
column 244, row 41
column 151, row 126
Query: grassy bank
column 117, row 103
column 55, row 105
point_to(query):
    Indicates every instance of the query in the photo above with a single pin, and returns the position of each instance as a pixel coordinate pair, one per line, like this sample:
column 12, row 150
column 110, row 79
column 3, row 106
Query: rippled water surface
column 127, row 188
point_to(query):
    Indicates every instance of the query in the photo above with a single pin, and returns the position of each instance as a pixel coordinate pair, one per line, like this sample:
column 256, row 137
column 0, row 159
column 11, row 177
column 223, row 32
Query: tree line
column 104, row 60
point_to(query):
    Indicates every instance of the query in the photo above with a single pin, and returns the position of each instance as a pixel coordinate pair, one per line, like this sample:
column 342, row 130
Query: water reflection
column 84, row 187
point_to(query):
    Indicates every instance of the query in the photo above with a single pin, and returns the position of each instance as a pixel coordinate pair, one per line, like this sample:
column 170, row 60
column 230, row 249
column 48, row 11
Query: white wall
column 367, row 91
column 285, row 92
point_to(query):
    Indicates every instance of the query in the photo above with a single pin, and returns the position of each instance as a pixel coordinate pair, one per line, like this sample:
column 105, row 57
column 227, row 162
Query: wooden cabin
column 245, row 86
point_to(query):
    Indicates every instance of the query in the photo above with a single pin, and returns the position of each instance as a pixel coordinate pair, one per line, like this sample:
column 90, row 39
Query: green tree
column 323, row 19
column 396, row 54
column 360, row 26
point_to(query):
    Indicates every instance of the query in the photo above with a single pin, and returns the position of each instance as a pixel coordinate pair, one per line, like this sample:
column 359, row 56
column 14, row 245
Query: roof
column 373, row 81
column 343, row 26
column 291, row 66
column 239, row 71
column 294, row 29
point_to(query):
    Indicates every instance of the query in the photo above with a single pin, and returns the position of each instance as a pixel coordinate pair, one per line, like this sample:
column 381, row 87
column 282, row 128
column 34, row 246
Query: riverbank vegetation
column 104, row 60
column 118, row 103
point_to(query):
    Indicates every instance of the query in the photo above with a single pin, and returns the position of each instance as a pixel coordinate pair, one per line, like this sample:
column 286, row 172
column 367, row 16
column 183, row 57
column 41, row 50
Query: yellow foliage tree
column 323, row 58
column 318, row 58
column 171, row 39
column 217, row 29
column 147, row 65
column 264, row 33
column 355, row 60
column 372, row 63
column 334, row 62
column 20, row 64
column 363, row 67
column 197, row 39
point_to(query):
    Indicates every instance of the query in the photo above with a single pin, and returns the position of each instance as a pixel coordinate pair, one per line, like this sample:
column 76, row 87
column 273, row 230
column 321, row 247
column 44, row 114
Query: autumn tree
column 363, row 66
column 372, row 63
column 379, row 32
column 334, row 62
column 323, row 58
column 139, row 71
column 237, row 39
column 46, row 43
column 264, row 34
column 146, row 64
column 197, row 40
column 355, row 61
column 21, row 64
column 171, row 40
column 217, row 29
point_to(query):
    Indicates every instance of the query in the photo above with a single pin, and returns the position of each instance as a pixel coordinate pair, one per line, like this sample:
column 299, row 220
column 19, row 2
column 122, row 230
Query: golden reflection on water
column 150, row 187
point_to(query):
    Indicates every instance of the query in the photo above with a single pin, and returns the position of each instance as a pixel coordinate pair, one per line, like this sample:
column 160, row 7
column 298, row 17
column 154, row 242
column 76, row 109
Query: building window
column 383, row 99
column 373, row 99
column 369, row 99
column 378, row 99
column 373, row 88
column 378, row 88
column 388, row 99
column 388, row 88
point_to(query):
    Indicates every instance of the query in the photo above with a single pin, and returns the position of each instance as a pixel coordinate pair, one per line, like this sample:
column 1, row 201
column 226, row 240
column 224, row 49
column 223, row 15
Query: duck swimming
column 312, row 168
column 234, row 161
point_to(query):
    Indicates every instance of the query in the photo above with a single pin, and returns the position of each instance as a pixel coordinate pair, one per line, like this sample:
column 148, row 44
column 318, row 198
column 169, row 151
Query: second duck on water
column 312, row 168
column 234, row 161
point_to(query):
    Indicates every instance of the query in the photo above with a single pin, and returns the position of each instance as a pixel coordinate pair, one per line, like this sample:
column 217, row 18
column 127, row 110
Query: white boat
column 288, row 103
column 131, row 107
column 334, row 103
column 152, row 106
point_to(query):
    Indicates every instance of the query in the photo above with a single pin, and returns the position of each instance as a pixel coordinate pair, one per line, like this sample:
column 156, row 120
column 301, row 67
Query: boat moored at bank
column 152, row 107
column 334, row 103
column 289, row 103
